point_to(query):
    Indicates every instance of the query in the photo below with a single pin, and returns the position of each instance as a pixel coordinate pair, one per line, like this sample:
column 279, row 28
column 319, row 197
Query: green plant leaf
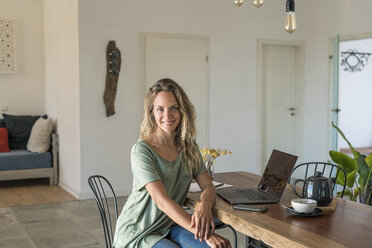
column 369, row 160
column 340, row 179
column 349, row 194
column 369, row 180
column 363, row 169
column 360, row 181
column 355, row 153
column 369, row 197
column 356, row 193
column 347, row 162
column 351, row 179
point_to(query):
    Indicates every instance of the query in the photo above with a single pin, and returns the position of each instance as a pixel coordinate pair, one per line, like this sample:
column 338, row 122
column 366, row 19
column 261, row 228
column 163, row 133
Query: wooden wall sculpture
column 113, row 60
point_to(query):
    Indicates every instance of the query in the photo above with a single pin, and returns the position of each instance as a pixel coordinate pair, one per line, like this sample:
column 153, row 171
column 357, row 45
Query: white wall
column 233, row 33
column 23, row 92
column 323, row 21
column 62, row 101
column 75, row 41
column 355, row 118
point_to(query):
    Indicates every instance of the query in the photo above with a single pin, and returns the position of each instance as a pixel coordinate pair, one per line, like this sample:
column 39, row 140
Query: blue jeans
column 178, row 237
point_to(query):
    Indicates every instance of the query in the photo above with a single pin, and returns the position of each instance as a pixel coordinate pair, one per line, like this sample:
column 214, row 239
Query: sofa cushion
column 23, row 159
column 39, row 140
column 2, row 123
column 19, row 129
column 4, row 145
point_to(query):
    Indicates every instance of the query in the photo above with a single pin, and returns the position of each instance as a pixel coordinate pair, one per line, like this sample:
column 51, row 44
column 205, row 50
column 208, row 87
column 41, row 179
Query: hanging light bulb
column 290, row 19
column 238, row 2
column 258, row 3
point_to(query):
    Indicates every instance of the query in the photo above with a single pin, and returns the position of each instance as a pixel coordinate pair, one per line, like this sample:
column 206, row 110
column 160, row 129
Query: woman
column 164, row 162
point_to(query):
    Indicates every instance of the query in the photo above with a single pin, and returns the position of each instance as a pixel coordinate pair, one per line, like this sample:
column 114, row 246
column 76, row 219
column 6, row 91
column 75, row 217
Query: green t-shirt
column 141, row 223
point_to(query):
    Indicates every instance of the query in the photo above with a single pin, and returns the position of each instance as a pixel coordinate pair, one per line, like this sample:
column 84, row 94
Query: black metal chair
column 328, row 170
column 220, row 225
column 254, row 243
column 98, row 184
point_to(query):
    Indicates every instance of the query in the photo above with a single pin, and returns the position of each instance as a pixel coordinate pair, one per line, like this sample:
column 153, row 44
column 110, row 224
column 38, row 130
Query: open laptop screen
column 277, row 173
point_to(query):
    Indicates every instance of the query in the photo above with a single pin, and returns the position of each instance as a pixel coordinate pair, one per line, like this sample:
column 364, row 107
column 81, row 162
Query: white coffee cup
column 305, row 206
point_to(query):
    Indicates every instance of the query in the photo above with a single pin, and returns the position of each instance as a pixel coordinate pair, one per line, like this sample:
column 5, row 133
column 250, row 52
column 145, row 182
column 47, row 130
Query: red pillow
column 4, row 142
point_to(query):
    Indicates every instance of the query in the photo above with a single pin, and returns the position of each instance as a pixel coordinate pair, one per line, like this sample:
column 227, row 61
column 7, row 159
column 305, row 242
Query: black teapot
column 316, row 187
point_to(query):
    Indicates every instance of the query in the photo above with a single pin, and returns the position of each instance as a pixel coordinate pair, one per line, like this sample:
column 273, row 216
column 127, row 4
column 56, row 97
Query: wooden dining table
column 349, row 225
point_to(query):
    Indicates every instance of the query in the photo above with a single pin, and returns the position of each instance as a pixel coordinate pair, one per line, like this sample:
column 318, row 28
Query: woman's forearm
column 201, row 220
column 168, row 206
column 208, row 195
column 177, row 214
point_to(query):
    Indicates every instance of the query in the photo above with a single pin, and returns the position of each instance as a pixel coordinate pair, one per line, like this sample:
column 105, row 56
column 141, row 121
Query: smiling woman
column 164, row 162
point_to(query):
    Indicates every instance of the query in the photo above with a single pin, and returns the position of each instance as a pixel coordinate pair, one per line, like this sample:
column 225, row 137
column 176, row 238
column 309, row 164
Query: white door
column 355, row 87
column 184, row 60
column 279, row 99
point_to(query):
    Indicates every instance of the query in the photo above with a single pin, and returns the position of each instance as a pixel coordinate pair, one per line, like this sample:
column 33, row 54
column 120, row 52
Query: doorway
column 183, row 58
column 281, row 86
column 353, row 89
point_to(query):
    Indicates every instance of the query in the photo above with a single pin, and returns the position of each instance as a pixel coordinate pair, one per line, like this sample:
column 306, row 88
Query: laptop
column 272, row 184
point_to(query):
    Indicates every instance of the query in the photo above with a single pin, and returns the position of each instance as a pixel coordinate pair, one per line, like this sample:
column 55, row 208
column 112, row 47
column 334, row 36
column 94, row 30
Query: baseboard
column 69, row 190
column 118, row 192
column 89, row 195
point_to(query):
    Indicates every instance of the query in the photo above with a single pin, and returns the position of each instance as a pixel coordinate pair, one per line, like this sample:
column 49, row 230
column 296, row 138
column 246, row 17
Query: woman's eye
column 174, row 108
column 159, row 109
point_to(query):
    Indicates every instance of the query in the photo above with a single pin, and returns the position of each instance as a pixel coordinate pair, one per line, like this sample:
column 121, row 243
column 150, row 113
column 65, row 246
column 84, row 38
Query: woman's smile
column 166, row 111
column 168, row 123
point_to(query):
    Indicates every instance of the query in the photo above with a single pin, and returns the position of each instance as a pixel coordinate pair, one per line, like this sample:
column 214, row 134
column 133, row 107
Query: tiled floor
column 58, row 225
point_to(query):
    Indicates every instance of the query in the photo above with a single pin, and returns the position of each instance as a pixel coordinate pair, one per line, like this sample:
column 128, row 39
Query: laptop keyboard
column 252, row 194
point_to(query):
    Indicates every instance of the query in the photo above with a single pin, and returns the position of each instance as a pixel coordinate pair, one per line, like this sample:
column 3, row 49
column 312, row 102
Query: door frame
column 144, row 35
column 260, row 92
column 347, row 37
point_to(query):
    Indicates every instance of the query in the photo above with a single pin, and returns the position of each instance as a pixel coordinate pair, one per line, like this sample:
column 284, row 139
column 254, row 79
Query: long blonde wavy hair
column 186, row 130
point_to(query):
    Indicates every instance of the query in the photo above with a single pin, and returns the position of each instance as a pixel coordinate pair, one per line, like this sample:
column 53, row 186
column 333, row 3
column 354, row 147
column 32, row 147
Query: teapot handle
column 294, row 187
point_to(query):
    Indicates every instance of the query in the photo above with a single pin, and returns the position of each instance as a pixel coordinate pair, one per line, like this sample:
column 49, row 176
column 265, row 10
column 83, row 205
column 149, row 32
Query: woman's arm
column 201, row 223
column 179, row 215
column 168, row 206
column 202, row 219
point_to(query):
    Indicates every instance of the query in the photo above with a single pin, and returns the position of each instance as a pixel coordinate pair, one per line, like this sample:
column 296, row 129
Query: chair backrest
column 328, row 170
column 98, row 184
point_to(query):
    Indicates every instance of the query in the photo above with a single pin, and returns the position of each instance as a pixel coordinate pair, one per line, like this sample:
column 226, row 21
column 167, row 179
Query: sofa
column 25, row 159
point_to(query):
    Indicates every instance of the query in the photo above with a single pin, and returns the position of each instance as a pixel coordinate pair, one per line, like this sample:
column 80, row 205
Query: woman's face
column 166, row 112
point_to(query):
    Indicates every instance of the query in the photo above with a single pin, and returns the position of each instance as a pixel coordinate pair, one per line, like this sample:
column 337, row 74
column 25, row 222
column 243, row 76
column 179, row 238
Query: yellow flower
column 210, row 154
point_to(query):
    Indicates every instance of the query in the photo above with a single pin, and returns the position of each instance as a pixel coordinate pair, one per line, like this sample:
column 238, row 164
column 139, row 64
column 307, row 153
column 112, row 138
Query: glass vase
column 210, row 168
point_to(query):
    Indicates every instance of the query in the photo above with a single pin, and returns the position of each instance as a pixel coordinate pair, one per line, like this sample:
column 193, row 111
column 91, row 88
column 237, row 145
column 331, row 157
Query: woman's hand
column 216, row 241
column 202, row 221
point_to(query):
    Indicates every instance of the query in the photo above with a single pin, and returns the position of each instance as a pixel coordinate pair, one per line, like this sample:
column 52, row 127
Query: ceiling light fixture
column 258, row 3
column 238, row 2
column 290, row 19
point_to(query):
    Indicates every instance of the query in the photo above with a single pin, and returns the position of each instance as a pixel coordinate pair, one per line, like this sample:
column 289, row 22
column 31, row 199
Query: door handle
column 292, row 109
column 336, row 110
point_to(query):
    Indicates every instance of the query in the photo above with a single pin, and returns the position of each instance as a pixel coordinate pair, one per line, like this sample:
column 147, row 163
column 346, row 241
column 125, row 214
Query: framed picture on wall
column 7, row 50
